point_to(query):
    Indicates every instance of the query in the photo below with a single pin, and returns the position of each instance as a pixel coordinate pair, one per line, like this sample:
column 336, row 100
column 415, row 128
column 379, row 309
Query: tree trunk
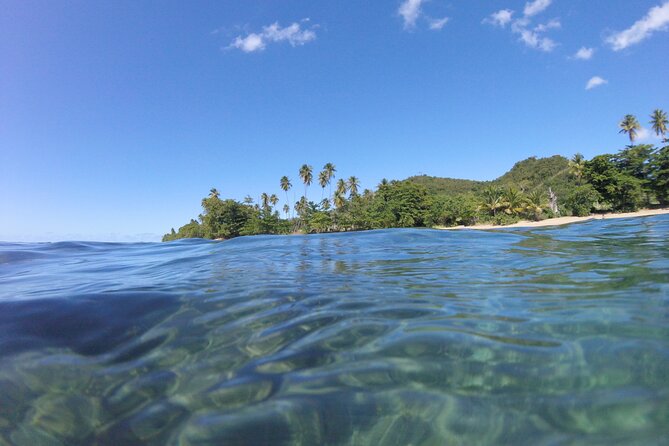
column 553, row 201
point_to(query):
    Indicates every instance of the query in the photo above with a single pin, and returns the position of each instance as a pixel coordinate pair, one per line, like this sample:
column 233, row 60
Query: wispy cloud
column 294, row 34
column 534, row 40
column 648, row 136
column 437, row 24
column 584, row 53
column 552, row 24
column 595, row 82
column 532, row 37
column 536, row 7
column 410, row 11
column 499, row 18
column 657, row 19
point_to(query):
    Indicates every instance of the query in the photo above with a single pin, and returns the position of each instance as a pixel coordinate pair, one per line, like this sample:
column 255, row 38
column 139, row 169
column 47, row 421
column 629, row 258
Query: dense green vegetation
column 448, row 186
column 527, row 174
column 636, row 176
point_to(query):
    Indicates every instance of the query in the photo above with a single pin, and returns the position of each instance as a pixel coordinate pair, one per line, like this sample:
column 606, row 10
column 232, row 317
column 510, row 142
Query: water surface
column 555, row 336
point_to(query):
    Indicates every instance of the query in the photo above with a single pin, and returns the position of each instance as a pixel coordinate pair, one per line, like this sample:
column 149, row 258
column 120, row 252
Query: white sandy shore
column 565, row 220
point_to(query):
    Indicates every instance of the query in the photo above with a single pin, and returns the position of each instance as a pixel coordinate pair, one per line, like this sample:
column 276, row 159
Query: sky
column 117, row 117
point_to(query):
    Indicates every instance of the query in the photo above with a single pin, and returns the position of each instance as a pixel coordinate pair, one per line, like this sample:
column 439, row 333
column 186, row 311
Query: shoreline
column 560, row 221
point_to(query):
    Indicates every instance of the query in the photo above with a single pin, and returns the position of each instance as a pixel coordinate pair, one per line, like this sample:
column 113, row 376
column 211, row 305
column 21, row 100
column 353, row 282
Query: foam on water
column 541, row 336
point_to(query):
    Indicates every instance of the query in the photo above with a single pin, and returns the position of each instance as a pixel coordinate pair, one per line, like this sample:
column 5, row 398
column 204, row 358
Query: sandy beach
column 563, row 220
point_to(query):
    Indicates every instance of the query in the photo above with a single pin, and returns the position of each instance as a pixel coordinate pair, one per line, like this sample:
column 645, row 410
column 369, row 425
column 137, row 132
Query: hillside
column 534, row 173
column 448, row 186
column 528, row 175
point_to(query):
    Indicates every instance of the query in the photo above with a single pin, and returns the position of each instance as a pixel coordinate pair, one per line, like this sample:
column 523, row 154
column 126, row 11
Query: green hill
column 534, row 173
column 447, row 186
column 528, row 175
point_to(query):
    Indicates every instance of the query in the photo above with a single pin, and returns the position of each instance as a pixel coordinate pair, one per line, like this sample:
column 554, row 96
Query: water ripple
column 393, row 337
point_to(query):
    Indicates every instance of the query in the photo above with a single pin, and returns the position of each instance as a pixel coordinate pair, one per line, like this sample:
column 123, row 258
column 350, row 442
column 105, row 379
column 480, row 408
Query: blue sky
column 116, row 118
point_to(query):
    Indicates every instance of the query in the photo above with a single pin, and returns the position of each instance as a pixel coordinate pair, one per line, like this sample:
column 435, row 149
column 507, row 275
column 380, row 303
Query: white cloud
column 437, row 24
column 500, row 18
column 535, row 7
column 520, row 24
column 553, row 24
column 584, row 53
column 594, row 82
column 293, row 34
column 534, row 40
column 410, row 11
column 648, row 136
column 531, row 37
column 657, row 19
column 642, row 133
column 252, row 42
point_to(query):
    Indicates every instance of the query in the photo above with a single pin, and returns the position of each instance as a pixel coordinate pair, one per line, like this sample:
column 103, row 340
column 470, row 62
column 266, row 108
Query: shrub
column 582, row 200
column 452, row 211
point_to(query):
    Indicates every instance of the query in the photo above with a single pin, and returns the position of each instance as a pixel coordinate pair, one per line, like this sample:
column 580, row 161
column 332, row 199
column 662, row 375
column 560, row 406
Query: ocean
column 545, row 336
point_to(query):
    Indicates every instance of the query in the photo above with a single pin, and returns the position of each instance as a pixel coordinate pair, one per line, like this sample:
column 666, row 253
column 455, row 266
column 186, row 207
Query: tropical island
column 535, row 189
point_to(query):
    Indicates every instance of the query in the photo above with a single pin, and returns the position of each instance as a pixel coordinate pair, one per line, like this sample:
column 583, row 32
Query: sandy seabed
column 564, row 220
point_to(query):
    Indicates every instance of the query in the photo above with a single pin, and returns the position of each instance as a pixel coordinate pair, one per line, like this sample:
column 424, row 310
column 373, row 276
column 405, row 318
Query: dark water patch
column 88, row 325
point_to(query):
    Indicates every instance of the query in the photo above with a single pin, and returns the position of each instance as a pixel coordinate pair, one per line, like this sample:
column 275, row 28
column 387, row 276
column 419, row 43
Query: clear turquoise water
column 553, row 336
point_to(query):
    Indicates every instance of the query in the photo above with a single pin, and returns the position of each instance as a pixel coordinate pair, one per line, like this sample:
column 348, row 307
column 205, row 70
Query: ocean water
column 550, row 336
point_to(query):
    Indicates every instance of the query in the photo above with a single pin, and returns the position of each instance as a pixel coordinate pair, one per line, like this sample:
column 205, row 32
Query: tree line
column 634, row 177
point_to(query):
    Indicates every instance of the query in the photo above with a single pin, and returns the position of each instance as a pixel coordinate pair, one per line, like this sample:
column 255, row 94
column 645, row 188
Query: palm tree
column 514, row 201
column 576, row 166
column 285, row 186
column 536, row 201
column 631, row 126
column 264, row 199
column 248, row 199
column 301, row 206
column 323, row 181
column 273, row 199
column 213, row 192
column 306, row 173
column 329, row 170
column 325, row 204
column 339, row 197
column 342, row 187
column 340, row 193
column 659, row 122
column 353, row 185
column 286, row 209
column 492, row 199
